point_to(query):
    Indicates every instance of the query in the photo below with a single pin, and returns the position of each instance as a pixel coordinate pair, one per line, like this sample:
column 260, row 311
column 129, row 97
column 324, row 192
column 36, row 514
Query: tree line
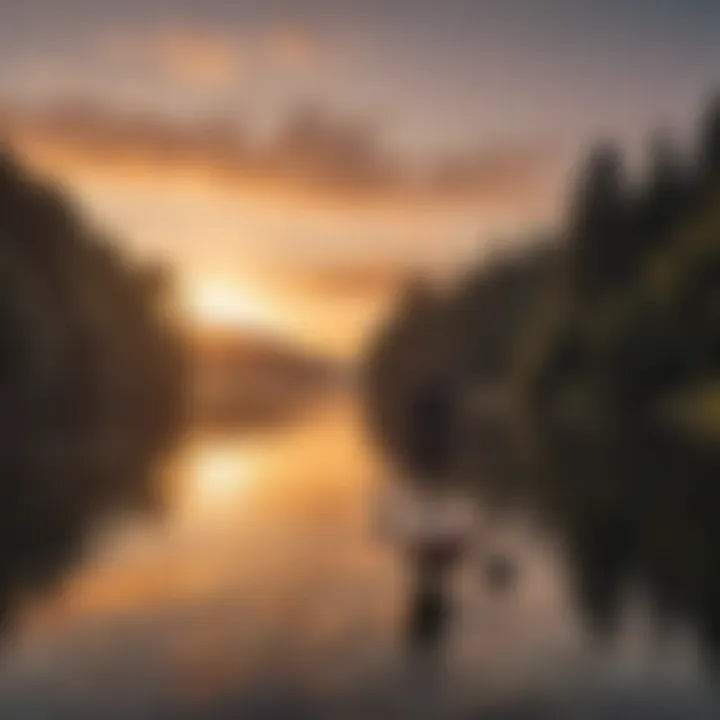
column 580, row 379
column 92, row 379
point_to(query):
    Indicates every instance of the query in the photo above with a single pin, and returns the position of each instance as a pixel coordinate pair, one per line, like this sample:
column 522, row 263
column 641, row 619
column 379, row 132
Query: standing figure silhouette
column 436, row 543
column 433, row 556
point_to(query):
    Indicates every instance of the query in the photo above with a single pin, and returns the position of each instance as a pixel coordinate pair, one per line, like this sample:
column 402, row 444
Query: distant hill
column 245, row 378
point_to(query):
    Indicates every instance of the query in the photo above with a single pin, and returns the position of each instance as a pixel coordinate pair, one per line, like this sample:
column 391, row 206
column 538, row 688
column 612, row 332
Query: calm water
column 266, row 584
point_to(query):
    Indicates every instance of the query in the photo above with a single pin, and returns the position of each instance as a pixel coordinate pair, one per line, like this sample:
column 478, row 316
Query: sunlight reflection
column 218, row 475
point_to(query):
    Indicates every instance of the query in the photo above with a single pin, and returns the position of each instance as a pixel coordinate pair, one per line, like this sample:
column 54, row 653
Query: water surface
column 266, row 581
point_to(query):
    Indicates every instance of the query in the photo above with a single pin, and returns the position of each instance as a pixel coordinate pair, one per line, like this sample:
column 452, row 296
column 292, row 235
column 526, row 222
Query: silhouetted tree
column 600, row 225
column 91, row 376
column 588, row 373
column 709, row 150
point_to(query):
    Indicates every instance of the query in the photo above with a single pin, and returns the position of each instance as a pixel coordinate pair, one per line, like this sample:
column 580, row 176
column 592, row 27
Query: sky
column 293, row 161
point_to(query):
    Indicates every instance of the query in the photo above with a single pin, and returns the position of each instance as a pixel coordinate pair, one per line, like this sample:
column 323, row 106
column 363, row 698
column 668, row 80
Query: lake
column 266, row 592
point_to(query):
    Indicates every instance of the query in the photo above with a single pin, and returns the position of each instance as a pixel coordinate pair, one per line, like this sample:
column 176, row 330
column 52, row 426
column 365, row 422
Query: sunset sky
column 293, row 160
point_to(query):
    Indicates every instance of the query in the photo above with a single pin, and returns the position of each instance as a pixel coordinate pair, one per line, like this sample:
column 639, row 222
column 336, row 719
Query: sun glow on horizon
column 224, row 305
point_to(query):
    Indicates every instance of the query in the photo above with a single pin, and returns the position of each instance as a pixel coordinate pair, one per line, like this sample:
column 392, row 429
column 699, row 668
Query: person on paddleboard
column 432, row 527
column 435, row 525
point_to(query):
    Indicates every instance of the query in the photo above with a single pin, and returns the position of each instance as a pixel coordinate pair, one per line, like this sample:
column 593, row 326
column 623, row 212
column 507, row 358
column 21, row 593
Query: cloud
column 347, row 280
column 210, row 57
column 313, row 153
column 293, row 44
column 186, row 55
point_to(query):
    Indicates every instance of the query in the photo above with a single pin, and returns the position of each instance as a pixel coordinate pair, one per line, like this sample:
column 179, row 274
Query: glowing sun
column 220, row 305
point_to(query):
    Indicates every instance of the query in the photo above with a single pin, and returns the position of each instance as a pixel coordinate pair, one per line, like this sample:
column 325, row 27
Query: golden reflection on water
column 217, row 473
column 266, row 552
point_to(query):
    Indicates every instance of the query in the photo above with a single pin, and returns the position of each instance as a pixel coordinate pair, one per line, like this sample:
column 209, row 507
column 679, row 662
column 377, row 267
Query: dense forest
column 92, row 377
column 580, row 380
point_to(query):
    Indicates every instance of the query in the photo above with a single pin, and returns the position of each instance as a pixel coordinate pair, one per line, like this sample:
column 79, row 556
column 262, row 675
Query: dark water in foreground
column 265, row 594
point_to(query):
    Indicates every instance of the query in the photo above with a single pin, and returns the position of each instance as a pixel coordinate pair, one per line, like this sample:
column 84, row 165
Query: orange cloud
column 181, row 54
column 314, row 154
column 197, row 57
column 210, row 57
column 347, row 280
column 292, row 44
